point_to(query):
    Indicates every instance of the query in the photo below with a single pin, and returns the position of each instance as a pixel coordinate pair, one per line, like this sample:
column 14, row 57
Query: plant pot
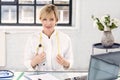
column 107, row 39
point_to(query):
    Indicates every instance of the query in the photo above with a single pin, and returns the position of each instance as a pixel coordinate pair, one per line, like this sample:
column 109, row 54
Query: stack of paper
column 45, row 76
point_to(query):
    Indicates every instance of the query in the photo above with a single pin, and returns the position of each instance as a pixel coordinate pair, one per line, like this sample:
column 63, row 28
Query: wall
column 83, row 34
column 2, row 49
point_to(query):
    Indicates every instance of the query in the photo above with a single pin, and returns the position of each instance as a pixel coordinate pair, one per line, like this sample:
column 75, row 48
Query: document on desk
column 45, row 76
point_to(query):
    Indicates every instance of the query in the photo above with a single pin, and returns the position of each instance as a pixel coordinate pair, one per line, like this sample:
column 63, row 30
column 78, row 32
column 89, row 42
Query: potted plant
column 106, row 24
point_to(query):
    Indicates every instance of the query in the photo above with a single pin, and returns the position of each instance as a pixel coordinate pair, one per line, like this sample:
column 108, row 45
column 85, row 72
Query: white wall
column 83, row 34
column 2, row 49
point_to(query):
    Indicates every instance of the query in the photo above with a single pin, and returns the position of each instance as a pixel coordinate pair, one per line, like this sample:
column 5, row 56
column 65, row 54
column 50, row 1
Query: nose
column 48, row 22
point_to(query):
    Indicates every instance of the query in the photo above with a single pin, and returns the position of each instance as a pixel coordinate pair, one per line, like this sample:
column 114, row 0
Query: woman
column 50, row 50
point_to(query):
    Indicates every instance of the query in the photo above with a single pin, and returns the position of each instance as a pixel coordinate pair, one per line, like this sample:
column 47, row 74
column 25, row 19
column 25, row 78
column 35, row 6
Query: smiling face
column 49, row 22
column 49, row 18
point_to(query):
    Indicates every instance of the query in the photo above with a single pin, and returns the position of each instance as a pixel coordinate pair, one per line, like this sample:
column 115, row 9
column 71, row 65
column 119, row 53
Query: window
column 26, row 12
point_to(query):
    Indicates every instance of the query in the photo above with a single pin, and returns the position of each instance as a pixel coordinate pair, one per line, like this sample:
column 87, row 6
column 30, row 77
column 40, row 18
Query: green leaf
column 100, row 26
column 113, row 26
column 107, row 19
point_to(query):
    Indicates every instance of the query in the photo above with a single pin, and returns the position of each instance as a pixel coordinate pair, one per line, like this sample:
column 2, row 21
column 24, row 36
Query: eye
column 51, row 19
column 44, row 19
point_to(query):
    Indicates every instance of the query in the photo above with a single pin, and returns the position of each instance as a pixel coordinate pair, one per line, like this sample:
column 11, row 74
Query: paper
column 45, row 76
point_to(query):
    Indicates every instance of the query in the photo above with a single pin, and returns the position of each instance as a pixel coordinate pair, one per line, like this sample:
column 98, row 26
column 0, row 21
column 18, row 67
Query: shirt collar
column 53, row 34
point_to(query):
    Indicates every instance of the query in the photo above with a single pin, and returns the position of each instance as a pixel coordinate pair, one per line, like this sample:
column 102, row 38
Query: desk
column 59, row 75
column 100, row 46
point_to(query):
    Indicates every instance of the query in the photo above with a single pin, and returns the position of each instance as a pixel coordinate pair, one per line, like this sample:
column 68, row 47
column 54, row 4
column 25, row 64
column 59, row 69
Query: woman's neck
column 48, row 33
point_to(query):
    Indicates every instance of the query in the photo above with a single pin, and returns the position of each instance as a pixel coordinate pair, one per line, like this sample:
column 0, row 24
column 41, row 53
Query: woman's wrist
column 34, row 63
column 67, row 65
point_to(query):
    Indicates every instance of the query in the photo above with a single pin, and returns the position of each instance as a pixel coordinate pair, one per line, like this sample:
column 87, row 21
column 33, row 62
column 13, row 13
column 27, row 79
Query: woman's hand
column 62, row 61
column 39, row 58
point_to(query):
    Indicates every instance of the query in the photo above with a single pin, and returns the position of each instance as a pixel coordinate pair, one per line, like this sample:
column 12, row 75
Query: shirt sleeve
column 28, row 55
column 69, row 54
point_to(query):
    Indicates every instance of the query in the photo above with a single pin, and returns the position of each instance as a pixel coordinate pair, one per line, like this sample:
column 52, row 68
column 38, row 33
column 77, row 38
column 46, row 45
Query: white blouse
column 60, row 43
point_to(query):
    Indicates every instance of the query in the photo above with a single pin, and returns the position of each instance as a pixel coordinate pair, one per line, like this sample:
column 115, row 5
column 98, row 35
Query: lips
column 48, row 27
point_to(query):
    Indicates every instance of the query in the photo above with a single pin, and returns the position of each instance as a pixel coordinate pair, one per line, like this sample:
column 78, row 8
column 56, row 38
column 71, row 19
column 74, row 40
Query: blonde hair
column 48, row 10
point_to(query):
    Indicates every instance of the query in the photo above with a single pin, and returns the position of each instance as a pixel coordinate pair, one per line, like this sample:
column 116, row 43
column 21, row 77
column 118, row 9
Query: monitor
column 104, row 66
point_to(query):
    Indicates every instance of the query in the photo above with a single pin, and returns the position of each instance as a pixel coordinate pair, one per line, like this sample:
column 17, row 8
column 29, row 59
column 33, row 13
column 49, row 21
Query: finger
column 36, row 54
column 59, row 62
column 43, row 56
column 59, row 57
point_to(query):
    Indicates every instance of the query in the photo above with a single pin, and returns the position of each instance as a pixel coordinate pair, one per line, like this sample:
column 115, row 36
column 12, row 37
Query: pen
column 20, row 75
